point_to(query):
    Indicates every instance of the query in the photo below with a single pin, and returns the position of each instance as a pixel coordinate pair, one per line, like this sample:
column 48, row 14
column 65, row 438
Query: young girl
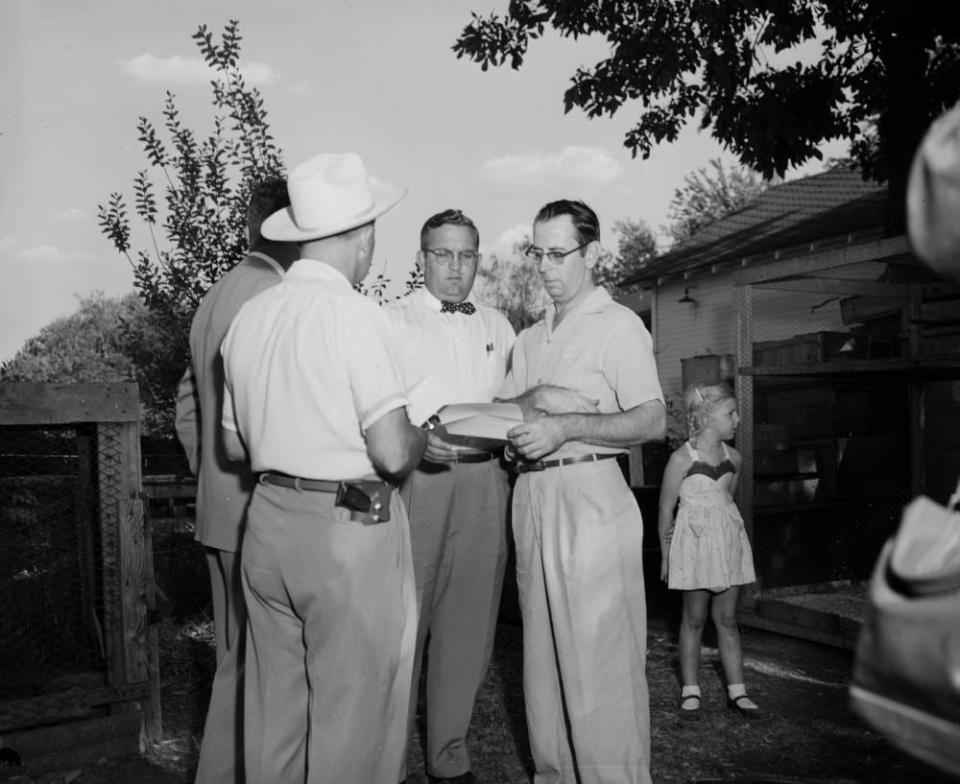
column 706, row 553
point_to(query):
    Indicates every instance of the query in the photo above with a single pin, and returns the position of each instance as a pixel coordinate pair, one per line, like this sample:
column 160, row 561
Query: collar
column 272, row 262
column 311, row 270
column 435, row 304
column 595, row 302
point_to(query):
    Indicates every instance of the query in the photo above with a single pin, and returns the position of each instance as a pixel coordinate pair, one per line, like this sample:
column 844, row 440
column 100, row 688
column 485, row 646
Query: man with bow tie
column 457, row 497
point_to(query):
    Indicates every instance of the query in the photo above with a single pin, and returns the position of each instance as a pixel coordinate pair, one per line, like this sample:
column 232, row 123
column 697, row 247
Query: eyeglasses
column 537, row 255
column 445, row 256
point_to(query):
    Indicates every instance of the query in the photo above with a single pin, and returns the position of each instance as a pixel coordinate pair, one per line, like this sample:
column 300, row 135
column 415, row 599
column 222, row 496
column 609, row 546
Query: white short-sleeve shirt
column 601, row 349
column 308, row 367
column 465, row 355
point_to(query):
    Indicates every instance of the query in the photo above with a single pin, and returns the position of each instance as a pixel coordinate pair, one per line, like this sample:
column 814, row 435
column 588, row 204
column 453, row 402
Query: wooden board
column 78, row 742
column 23, row 403
column 828, row 613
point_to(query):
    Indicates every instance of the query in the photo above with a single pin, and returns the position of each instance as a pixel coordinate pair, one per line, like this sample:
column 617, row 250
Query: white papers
column 426, row 397
column 479, row 425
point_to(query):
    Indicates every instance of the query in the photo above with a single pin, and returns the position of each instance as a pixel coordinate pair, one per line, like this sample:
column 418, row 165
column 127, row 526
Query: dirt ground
column 808, row 735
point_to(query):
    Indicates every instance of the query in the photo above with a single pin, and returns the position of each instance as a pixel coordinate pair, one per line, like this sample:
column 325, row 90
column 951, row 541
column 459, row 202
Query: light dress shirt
column 463, row 358
column 309, row 366
column 601, row 349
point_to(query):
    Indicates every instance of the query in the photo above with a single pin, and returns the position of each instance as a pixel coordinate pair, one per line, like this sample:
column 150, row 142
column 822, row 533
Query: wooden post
column 743, row 310
column 153, row 715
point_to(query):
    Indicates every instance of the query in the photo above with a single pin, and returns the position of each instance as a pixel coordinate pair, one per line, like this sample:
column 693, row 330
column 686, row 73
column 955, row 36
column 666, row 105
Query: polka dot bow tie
column 467, row 308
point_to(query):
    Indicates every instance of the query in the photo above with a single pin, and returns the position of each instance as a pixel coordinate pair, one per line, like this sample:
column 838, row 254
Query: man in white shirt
column 457, row 497
column 314, row 400
column 588, row 368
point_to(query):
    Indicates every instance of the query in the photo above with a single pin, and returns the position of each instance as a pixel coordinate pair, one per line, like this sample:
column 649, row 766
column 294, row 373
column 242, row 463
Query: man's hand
column 538, row 437
column 438, row 450
column 550, row 399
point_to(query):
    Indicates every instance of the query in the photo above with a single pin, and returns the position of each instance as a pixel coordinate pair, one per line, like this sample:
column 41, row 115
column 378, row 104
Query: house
column 845, row 354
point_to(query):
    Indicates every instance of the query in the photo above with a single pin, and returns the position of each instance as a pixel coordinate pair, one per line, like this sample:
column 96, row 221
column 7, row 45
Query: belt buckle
column 534, row 465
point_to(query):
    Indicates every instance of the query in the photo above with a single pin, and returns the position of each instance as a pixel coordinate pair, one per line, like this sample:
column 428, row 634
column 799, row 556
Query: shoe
column 463, row 778
column 689, row 714
column 747, row 713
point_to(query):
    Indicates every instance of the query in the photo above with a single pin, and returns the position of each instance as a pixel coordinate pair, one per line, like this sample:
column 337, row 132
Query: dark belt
column 473, row 457
column 298, row 483
column 367, row 499
column 523, row 466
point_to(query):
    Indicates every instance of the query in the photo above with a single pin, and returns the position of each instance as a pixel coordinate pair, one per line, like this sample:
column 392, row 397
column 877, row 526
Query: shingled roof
column 833, row 204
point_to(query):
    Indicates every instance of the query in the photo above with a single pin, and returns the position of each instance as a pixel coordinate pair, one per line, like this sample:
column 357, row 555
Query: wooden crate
column 707, row 367
column 818, row 347
column 810, row 349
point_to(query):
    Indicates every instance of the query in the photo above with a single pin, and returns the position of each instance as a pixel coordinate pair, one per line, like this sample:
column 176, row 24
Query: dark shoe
column 747, row 713
column 690, row 713
column 463, row 778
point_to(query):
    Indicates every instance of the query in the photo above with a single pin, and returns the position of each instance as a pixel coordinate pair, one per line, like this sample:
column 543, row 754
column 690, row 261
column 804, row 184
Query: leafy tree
column 85, row 346
column 105, row 339
column 511, row 284
column 636, row 245
column 705, row 198
column 205, row 186
column 891, row 62
column 376, row 288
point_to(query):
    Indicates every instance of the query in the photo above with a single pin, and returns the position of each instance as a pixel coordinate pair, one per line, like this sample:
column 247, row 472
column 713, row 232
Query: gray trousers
column 330, row 641
column 221, row 751
column 458, row 537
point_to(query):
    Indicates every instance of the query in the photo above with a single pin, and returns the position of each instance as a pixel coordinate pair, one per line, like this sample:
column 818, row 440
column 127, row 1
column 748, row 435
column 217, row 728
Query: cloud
column 505, row 242
column 14, row 251
column 587, row 167
column 189, row 70
column 73, row 213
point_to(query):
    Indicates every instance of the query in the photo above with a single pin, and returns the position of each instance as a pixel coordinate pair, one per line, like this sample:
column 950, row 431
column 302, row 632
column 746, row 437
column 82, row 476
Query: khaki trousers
column 579, row 539
column 221, row 751
column 458, row 535
column 330, row 641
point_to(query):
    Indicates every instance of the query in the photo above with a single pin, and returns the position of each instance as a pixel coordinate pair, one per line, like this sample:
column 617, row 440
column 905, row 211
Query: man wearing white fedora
column 223, row 486
column 314, row 399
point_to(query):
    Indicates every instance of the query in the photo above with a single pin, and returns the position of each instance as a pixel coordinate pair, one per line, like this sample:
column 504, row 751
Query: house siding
column 682, row 330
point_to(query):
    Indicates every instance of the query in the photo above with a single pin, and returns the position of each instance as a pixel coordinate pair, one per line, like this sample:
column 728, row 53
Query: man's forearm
column 233, row 445
column 646, row 422
column 187, row 424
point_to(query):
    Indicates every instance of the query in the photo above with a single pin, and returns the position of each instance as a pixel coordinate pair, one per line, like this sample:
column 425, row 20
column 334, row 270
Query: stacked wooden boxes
column 707, row 368
column 816, row 348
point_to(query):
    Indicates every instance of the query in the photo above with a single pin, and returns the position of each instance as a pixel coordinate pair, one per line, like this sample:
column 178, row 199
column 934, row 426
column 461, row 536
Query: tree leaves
column 195, row 191
column 891, row 65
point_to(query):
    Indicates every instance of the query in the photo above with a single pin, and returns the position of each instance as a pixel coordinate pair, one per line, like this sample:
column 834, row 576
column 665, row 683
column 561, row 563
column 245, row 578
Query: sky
column 369, row 76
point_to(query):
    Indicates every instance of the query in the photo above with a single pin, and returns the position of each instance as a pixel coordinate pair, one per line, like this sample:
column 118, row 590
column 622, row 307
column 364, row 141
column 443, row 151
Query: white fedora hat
column 330, row 193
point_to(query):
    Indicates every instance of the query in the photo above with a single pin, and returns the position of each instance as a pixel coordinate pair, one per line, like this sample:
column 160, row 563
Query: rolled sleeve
column 375, row 379
column 630, row 364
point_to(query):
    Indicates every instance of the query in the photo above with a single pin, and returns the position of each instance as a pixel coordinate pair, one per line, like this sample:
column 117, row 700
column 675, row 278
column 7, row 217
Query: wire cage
column 76, row 575
column 849, row 383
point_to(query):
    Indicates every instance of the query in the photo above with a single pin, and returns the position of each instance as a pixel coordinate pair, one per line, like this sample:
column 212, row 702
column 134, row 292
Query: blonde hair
column 699, row 401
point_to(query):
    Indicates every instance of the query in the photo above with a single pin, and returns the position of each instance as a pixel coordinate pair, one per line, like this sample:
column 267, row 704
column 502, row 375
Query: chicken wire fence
column 52, row 582
column 851, row 405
